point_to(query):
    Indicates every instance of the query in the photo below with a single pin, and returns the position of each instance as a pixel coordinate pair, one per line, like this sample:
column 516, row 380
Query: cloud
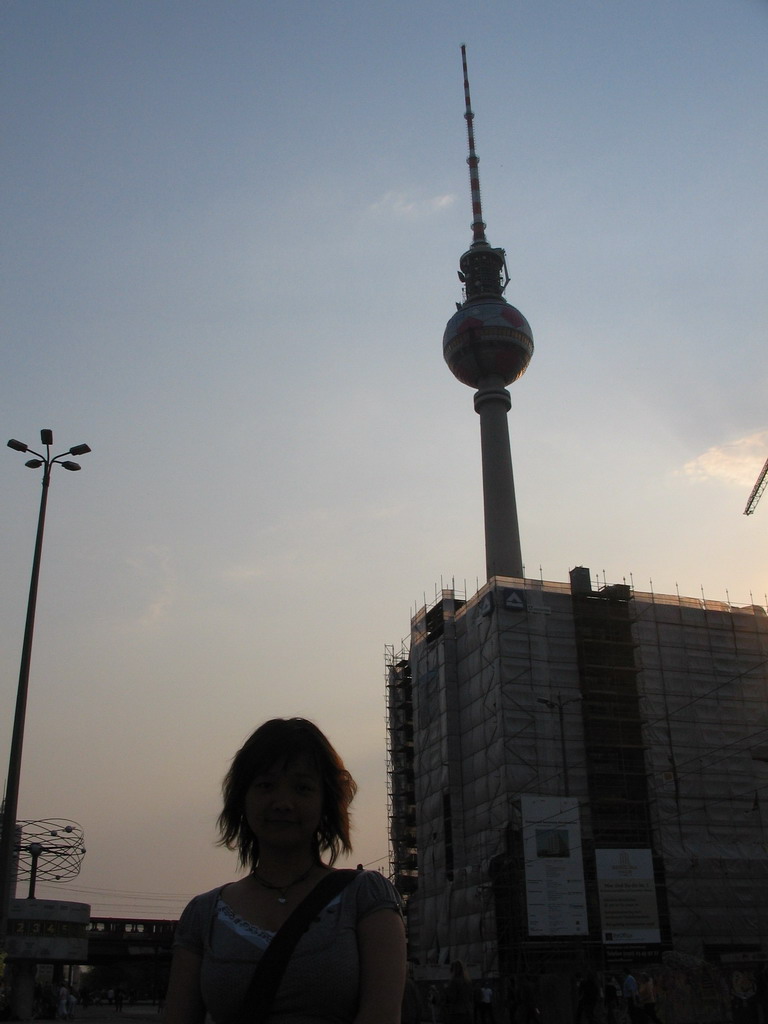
column 736, row 463
column 386, row 512
column 402, row 204
column 241, row 573
column 153, row 568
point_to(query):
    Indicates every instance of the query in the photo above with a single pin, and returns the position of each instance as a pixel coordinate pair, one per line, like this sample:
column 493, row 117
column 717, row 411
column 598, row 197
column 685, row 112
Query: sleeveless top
column 321, row 981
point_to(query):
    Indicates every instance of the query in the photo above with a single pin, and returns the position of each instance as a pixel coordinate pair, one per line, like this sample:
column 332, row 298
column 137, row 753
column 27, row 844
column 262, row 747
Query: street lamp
column 560, row 704
column 11, row 803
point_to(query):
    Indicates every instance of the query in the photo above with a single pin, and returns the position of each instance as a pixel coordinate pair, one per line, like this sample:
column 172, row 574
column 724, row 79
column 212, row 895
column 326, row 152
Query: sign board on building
column 627, row 890
column 554, row 874
column 513, row 599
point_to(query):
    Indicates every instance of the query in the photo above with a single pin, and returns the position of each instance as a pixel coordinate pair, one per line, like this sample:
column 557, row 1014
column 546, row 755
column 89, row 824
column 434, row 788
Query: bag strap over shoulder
column 271, row 967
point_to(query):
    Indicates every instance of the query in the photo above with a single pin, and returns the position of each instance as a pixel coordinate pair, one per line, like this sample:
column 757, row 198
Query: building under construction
column 578, row 777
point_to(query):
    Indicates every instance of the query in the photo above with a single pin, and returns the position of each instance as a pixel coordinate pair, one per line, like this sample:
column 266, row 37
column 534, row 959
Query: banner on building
column 627, row 890
column 554, row 874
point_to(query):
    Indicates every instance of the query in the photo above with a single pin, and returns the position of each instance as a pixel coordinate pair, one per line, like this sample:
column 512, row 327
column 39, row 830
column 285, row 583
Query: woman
column 286, row 804
column 459, row 1001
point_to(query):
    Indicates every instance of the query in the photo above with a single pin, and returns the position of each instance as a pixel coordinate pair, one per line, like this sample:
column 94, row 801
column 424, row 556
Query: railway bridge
column 111, row 939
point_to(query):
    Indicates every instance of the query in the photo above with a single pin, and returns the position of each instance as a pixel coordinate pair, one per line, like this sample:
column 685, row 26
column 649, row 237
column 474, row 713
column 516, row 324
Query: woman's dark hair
column 279, row 742
column 458, row 970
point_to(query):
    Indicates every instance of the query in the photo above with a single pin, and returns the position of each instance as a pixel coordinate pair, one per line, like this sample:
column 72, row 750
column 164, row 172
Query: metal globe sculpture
column 49, row 850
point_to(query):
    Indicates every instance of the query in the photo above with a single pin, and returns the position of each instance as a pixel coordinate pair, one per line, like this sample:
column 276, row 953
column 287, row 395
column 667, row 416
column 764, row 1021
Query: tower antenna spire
column 478, row 224
column 483, row 268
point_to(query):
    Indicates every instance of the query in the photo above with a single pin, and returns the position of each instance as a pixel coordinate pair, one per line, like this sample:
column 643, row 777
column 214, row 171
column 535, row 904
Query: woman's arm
column 381, row 943
column 183, row 1002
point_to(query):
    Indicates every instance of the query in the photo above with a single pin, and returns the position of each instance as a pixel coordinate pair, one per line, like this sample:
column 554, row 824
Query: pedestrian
column 485, row 1005
column 459, row 1008
column 589, row 992
column 433, row 999
column 646, row 994
column 527, row 1001
column 62, row 1004
column 744, row 1001
column 629, row 992
column 410, row 1011
column 611, row 1000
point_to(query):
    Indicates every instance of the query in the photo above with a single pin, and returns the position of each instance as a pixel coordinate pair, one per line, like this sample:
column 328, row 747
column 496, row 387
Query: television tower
column 488, row 344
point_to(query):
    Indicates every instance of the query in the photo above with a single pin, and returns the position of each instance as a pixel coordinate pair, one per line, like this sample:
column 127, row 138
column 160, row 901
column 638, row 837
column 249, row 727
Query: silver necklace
column 281, row 890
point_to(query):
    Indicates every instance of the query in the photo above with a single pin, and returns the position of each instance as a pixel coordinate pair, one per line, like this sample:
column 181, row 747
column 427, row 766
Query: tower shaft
column 503, row 554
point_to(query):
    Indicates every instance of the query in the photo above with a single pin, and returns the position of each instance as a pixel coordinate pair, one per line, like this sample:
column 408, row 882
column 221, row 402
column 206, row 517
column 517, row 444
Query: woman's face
column 284, row 804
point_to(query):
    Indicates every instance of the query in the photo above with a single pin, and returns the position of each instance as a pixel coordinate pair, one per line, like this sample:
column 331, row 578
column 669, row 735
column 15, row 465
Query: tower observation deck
column 488, row 344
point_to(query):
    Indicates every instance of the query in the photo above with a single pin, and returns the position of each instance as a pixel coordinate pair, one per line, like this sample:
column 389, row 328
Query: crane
column 760, row 484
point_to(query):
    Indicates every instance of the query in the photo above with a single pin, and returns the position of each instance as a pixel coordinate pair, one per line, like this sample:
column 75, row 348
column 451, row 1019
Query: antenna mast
column 483, row 268
column 478, row 224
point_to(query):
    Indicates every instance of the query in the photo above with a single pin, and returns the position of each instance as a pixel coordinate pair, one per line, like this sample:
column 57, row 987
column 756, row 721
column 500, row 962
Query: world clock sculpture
column 48, row 850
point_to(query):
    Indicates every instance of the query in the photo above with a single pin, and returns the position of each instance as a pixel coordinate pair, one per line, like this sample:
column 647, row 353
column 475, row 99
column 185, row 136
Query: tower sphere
column 487, row 338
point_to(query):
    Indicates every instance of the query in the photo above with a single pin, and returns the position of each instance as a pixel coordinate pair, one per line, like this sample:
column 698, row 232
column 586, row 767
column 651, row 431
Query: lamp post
column 560, row 705
column 10, row 807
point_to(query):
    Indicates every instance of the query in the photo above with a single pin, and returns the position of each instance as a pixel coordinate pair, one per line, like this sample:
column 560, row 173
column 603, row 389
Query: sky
column 231, row 236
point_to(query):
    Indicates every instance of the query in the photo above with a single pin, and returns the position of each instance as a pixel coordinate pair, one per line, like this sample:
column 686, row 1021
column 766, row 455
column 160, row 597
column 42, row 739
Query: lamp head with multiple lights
column 46, row 436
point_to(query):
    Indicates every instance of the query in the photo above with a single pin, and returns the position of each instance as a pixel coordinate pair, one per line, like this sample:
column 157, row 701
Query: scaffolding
column 649, row 709
column 400, row 773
